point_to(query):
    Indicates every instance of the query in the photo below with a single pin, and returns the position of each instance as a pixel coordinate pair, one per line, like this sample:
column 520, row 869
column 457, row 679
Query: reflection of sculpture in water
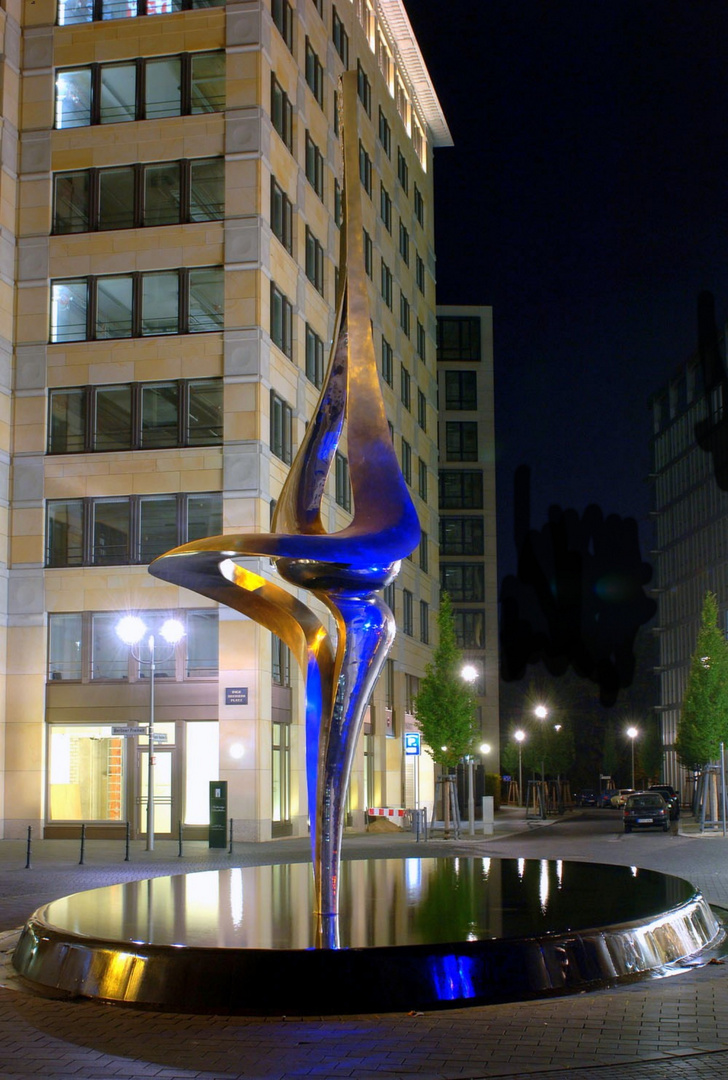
column 345, row 570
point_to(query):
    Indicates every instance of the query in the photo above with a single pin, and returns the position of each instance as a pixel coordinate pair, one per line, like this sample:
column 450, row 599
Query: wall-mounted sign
column 236, row 695
column 127, row 730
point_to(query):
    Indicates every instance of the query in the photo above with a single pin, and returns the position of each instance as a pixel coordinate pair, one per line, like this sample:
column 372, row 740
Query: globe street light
column 519, row 736
column 632, row 732
column 131, row 629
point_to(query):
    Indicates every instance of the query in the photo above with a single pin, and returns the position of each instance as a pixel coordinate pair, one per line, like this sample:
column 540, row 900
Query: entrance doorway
column 166, row 812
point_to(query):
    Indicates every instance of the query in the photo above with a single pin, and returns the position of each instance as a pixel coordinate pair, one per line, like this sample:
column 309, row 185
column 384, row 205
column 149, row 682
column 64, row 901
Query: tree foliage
column 703, row 721
column 444, row 706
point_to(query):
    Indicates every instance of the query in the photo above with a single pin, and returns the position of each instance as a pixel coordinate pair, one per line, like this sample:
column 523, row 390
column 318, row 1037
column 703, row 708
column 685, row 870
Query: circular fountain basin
column 414, row 934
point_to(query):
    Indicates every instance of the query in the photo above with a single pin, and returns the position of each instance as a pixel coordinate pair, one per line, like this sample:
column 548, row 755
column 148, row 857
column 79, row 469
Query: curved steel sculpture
column 346, row 570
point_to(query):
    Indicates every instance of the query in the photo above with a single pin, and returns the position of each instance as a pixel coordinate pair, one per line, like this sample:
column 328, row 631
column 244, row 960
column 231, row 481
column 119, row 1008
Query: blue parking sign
column 412, row 743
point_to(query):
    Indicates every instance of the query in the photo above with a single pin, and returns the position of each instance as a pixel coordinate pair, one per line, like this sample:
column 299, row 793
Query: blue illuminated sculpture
column 346, row 570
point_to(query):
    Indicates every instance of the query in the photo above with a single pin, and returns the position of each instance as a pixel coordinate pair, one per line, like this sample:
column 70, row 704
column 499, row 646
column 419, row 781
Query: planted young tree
column 444, row 706
column 703, row 723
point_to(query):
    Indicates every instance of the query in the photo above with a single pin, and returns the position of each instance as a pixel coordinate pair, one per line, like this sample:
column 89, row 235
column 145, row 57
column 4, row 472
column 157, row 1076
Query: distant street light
column 632, row 732
column 131, row 629
column 519, row 736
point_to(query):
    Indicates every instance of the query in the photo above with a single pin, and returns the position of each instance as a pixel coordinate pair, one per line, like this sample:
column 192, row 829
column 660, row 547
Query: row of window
column 135, row 416
column 147, row 88
column 71, row 12
column 84, row 646
column 127, row 530
column 182, row 301
column 137, row 196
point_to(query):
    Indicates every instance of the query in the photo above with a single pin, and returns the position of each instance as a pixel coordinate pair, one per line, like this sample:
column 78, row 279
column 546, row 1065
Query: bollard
column 27, row 851
column 83, row 844
column 126, row 856
column 179, row 833
column 230, row 849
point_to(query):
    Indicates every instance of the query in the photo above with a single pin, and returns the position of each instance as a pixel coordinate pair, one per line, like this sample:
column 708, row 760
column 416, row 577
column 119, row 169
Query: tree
column 444, row 707
column 703, row 723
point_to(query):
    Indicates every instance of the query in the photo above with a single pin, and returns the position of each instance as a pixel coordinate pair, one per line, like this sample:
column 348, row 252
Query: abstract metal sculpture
column 346, row 570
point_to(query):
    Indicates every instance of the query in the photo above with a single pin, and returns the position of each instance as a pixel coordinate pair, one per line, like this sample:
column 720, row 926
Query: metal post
column 27, row 850
column 179, row 832
column 83, row 844
column 150, row 761
column 722, row 785
column 520, row 776
column 231, row 837
column 126, row 855
column 471, row 798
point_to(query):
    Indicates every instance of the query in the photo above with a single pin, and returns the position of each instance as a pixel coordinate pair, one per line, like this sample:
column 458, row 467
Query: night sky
column 586, row 200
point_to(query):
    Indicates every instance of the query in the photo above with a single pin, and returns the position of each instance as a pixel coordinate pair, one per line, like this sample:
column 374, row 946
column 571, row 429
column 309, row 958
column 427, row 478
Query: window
column 135, row 416
column 404, row 313
column 424, row 552
column 339, row 37
column 183, row 85
column 385, row 134
column 368, row 254
column 135, row 305
column 281, row 112
column 314, row 358
column 343, row 484
column 314, row 74
column 281, row 428
column 386, row 284
column 424, row 622
column 314, row 261
column 385, row 208
column 461, row 440
column 458, row 338
column 422, row 479
column 404, row 244
column 283, row 19
column 406, row 461
column 419, row 204
column 365, row 170
column 461, row 489
column 389, row 597
column 461, row 390
column 387, row 362
column 422, row 410
column 402, row 171
column 127, row 530
column 463, row 581
column 280, row 662
column 364, row 88
column 314, row 166
column 281, row 215
column 407, row 613
column 420, row 274
column 405, row 391
column 469, row 629
column 421, row 342
column 338, row 204
column 81, row 11
column 461, row 536
column 281, row 320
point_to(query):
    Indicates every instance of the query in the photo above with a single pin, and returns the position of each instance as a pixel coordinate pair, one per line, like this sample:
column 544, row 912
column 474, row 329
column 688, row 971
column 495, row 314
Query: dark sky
column 586, row 200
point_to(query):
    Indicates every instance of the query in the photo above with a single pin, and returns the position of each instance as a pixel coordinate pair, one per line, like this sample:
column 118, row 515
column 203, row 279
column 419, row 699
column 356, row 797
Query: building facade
column 467, row 537
column 691, row 537
column 171, row 199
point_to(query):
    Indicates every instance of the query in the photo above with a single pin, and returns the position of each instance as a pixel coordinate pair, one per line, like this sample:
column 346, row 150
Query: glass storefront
column 88, row 770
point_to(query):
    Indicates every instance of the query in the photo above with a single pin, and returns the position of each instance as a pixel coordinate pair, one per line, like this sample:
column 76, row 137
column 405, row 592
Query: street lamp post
column 519, row 736
column 469, row 673
column 541, row 712
column 632, row 732
column 131, row 629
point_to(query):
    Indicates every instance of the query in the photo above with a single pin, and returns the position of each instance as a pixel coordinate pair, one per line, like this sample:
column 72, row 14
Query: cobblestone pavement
column 673, row 1028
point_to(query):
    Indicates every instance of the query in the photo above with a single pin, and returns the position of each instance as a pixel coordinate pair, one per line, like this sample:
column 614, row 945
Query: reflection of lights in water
column 413, row 876
column 452, row 977
column 236, row 898
column 635, row 871
column 560, row 871
column 543, row 886
column 521, row 869
column 486, row 869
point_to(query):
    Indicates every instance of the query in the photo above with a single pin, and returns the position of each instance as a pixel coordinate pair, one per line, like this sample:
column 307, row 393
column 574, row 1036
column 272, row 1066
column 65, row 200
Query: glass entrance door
column 165, row 810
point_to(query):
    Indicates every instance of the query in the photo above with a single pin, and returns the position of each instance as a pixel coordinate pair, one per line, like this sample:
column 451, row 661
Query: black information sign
column 218, row 814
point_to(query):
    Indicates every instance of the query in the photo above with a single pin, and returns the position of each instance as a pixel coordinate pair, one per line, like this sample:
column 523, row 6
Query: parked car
column 671, row 797
column 646, row 809
column 605, row 799
column 620, row 797
column 585, row 797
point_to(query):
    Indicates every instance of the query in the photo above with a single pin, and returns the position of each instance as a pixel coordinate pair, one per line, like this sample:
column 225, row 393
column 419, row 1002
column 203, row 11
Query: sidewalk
column 674, row 1028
